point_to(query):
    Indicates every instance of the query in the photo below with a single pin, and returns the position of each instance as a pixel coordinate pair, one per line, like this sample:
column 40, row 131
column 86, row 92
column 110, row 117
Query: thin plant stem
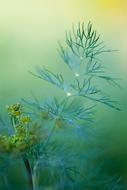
column 29, row 173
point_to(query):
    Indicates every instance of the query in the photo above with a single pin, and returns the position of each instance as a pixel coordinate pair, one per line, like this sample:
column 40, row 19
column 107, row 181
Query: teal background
column 29, row 31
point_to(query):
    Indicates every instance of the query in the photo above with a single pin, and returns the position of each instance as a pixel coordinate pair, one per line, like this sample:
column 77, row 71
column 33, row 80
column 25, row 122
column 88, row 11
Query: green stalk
column 29, row 173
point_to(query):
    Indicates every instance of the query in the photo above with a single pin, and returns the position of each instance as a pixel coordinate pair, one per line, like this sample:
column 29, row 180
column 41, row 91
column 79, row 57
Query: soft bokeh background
column 29, row 31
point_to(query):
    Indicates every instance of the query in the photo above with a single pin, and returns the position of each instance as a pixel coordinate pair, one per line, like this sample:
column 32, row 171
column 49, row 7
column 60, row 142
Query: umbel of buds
column 25, row 134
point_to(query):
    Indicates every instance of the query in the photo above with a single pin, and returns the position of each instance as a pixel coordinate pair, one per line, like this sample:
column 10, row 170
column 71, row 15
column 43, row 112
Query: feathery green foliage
column 81, row 56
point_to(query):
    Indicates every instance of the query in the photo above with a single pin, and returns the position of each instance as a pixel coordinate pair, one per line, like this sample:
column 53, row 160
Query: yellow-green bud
column 25, row 120
column 14, row 110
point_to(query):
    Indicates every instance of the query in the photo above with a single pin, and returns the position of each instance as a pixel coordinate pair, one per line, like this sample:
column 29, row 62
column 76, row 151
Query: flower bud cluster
column 26, row 134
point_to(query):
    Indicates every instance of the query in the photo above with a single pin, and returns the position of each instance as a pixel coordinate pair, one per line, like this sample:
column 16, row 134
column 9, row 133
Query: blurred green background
column 29, row 32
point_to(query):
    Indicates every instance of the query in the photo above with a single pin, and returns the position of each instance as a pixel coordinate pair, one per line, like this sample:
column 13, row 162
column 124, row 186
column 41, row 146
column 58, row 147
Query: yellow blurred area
column 113, row 4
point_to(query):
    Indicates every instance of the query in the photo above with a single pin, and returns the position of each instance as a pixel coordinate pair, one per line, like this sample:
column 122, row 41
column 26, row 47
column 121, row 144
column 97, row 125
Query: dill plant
column 43, row 135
